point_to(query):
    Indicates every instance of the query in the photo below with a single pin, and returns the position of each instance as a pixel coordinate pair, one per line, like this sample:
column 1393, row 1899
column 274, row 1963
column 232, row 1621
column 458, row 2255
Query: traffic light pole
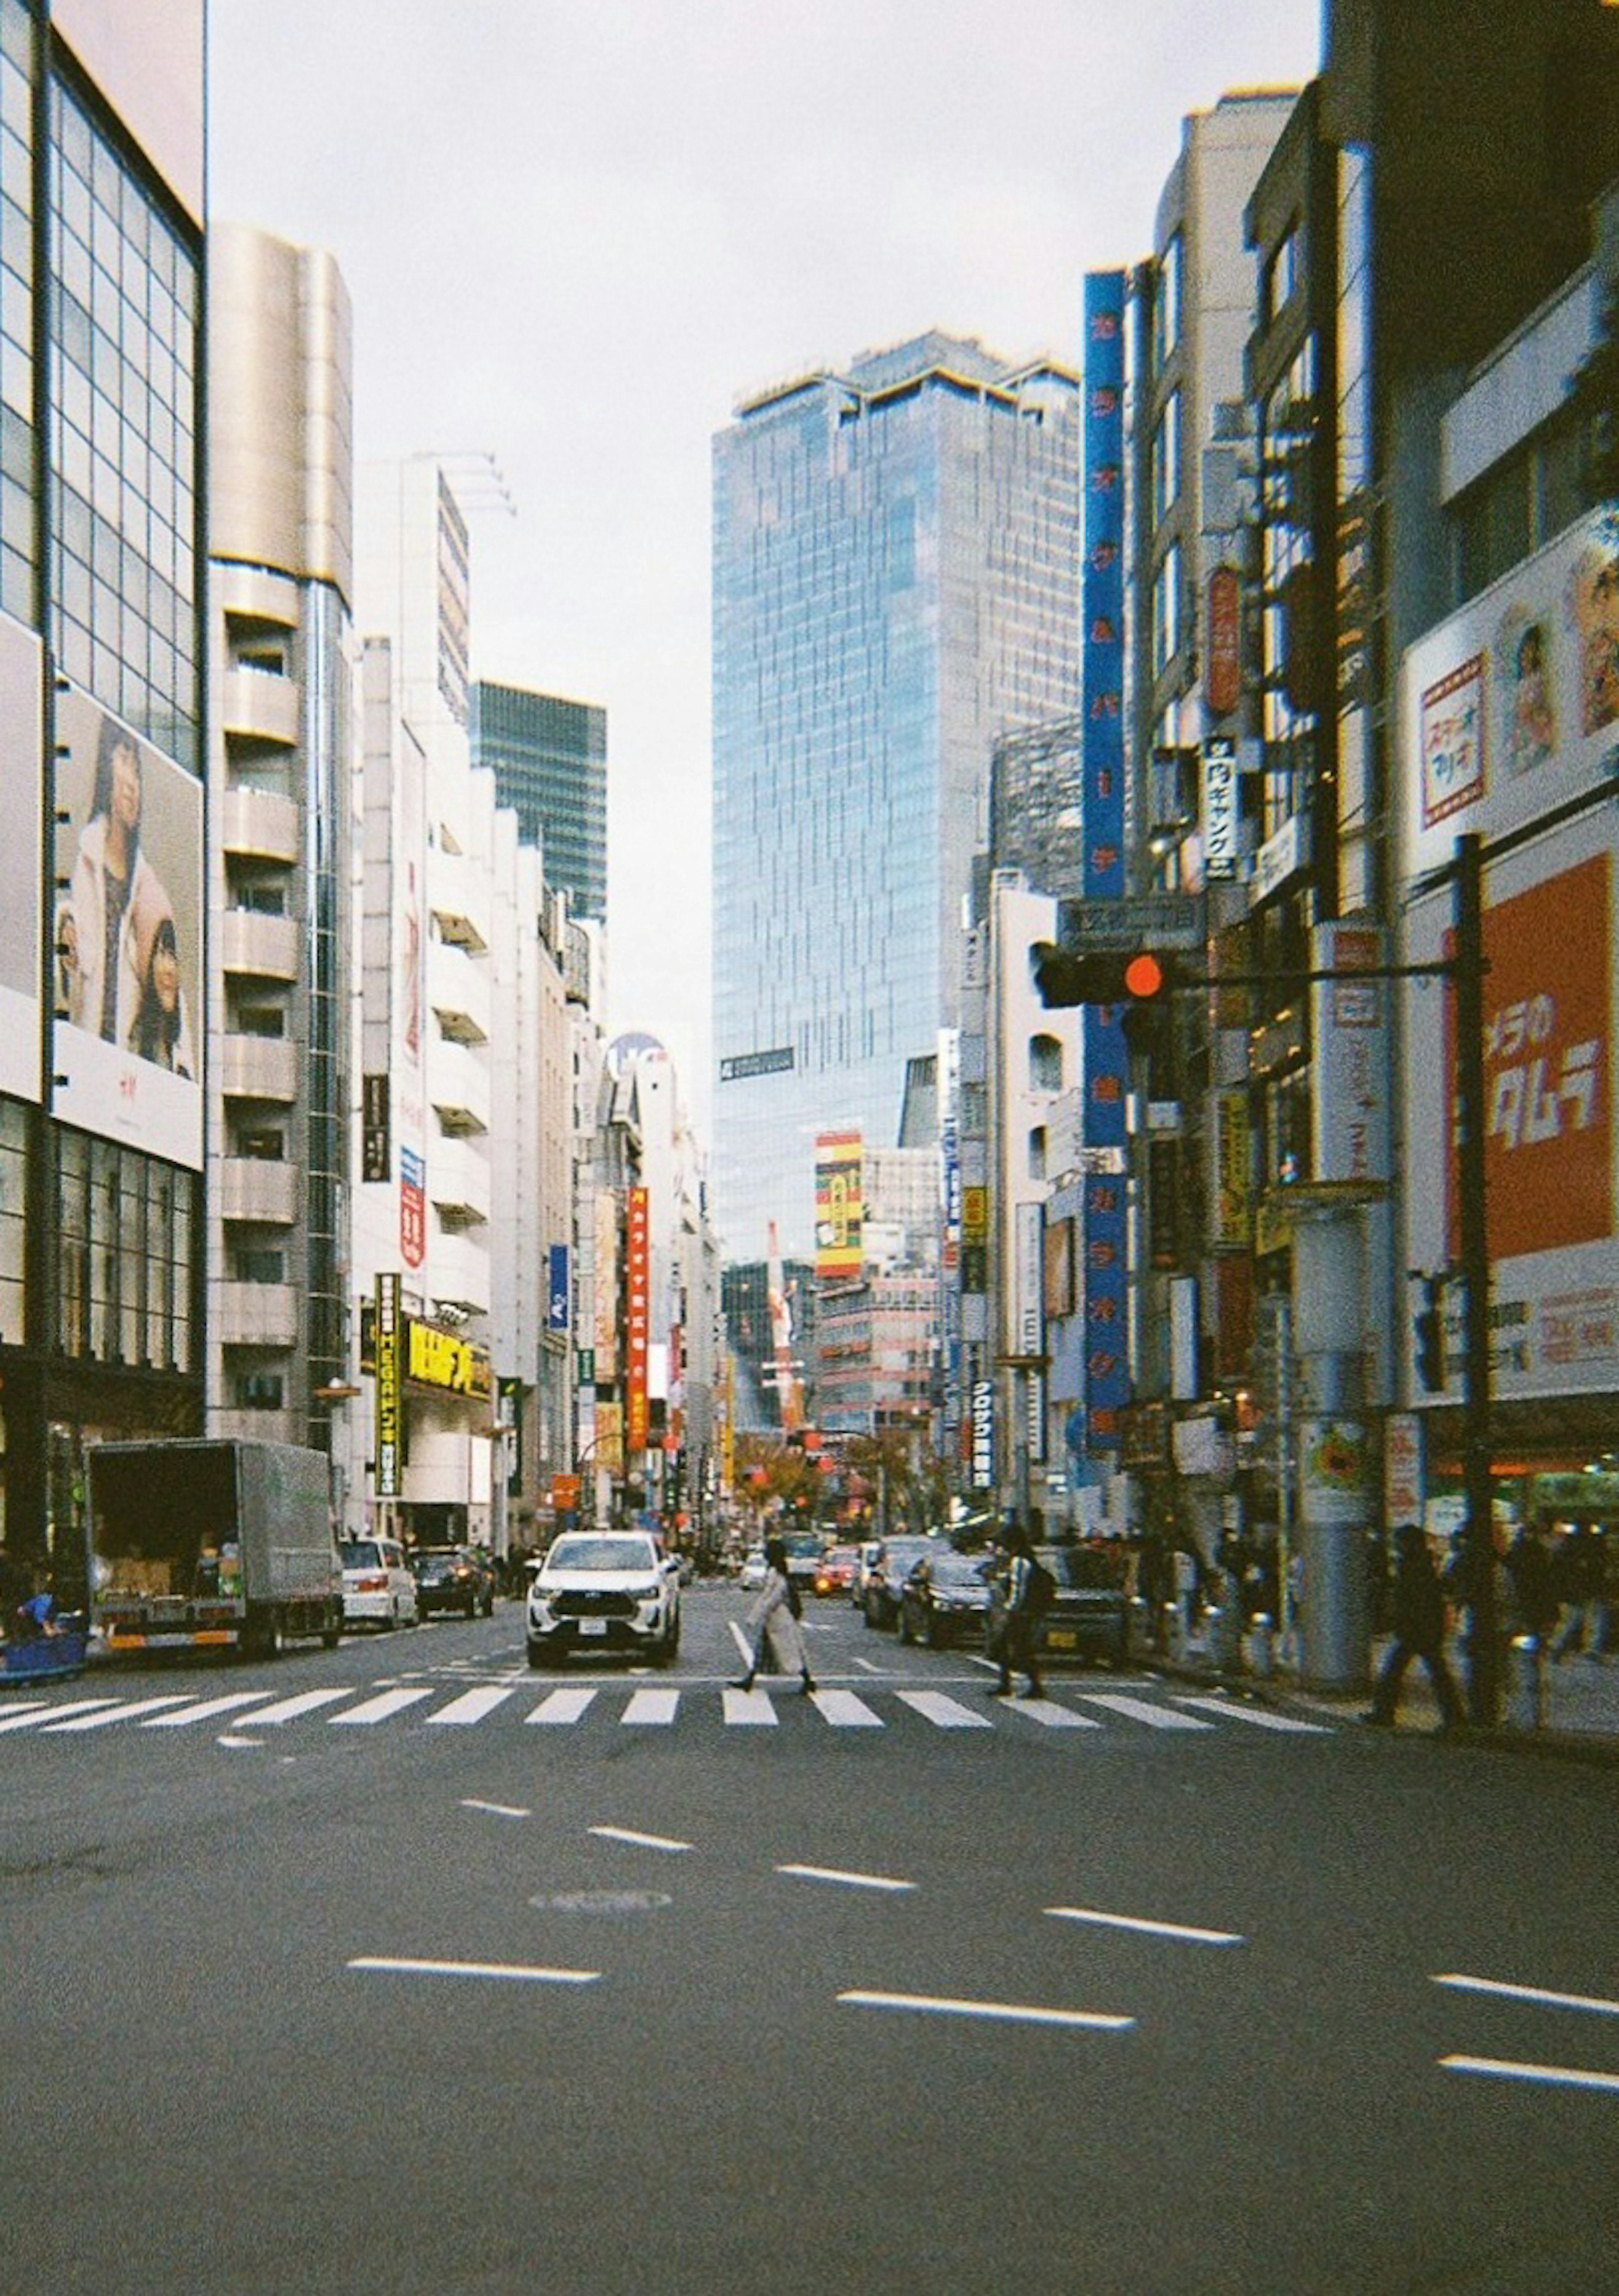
column 1484, row 1659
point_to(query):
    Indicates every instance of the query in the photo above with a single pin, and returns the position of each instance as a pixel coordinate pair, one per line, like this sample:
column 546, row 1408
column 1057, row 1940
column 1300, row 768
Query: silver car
column 602, row 1590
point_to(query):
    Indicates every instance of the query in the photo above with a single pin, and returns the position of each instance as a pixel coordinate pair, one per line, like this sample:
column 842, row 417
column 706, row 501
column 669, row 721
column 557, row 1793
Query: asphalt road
column 610, row 1980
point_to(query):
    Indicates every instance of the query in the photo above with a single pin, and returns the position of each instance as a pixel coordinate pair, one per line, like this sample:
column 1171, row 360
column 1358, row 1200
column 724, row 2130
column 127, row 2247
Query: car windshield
column 602, row 1553
column 436, row 1556
column 899, row 1553
column 1081, row 1566
column 801, row 1542
column 360, row 1554
column 949, row 1568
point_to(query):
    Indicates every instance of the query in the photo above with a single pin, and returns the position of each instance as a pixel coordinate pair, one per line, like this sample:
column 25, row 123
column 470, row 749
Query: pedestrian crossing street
column 439, row 1705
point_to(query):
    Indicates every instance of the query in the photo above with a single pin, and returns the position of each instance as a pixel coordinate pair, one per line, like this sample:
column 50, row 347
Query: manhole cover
column 603, row 1901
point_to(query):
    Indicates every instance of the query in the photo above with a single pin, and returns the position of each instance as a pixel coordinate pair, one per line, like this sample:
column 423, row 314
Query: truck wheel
column 330, row 1633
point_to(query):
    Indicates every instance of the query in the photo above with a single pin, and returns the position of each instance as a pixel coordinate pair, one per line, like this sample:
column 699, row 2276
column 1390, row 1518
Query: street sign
column 1137, row 921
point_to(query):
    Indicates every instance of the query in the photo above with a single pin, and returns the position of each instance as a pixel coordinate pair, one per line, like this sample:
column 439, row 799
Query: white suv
column 603, row 1590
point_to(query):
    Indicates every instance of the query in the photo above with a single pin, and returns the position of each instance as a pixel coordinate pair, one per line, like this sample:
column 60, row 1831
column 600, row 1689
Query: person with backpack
column 1028, row 1589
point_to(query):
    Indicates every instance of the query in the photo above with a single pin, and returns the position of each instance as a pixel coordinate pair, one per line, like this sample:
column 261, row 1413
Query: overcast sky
column 576, row 230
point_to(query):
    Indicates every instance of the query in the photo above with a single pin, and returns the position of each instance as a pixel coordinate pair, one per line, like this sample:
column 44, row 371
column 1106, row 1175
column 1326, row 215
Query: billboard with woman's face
column 21, row 812
column 126, row 969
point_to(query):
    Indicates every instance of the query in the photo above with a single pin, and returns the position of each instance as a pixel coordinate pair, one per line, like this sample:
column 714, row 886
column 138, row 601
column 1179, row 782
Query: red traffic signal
column 1126, row 977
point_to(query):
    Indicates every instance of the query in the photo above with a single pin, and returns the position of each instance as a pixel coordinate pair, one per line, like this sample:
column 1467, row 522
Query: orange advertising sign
column 1549, row 1150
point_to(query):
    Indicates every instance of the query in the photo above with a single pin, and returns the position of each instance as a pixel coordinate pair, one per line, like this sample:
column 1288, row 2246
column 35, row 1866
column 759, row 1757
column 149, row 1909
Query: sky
column 576, row 232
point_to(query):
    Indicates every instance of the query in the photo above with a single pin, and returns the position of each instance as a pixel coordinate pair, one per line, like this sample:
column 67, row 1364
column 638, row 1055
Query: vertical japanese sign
column 637, row 1319
column 838, row 1204
column 386, row 1359
column 1106, row 1378
column 413, row 1207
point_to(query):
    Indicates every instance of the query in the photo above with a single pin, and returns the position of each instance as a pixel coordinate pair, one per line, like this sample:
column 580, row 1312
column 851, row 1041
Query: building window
column 1166, row 458
column 1166, row 610
column 1166, row 311
column 258, row 1391
column 261, row 1267
column 1037, row 1152
column 1045, row 1064
column 13, row 1201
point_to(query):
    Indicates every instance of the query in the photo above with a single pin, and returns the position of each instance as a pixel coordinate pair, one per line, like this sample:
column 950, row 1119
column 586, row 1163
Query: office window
column 1045, row 1064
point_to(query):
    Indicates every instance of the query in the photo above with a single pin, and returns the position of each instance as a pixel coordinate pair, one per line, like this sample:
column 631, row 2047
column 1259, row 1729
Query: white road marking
column 1230, row 1709
column 1534, row 1993
column 1552, row 2076
column 655, row 1706
column 1005, row 2012
column 1142, row 1710
column 638, row 1841
column 18, row 1712
column 494, row 1809
column 562, row 1706
column 16, row 1719
column 1180, row 1931
column 1054, row 1716
column 472, row 1706
column 944, row 1713
column 852, row 1880
column 120, row 1713
column 207, row 1710
column 381, row 1709
column 845, row 1710
column 741, row 1642
column 518, row 1971
column 748, row 1706
column 871, row 1666
column 291, row 1709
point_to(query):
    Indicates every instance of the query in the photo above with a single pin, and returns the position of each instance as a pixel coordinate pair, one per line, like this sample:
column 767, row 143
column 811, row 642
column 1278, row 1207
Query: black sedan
column 1089, row 1613
column 945, row 1598
column 449, row 1578
column 887, row 1575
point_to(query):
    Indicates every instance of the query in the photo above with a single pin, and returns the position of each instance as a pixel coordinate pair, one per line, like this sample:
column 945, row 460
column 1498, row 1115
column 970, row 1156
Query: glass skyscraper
column 896, row 587
column 549, row 759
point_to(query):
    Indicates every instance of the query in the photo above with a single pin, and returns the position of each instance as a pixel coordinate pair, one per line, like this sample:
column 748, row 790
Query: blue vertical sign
column 556, row 1303
column 1106, row 1369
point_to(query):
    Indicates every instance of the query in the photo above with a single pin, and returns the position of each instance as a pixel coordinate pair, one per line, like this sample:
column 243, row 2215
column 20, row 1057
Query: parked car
column 1089, row 1613
column 600, row 1590
column 451, row 1578
column 945, row 1598
column 886, row 1576
column 379, row 1589
column 834, row 1572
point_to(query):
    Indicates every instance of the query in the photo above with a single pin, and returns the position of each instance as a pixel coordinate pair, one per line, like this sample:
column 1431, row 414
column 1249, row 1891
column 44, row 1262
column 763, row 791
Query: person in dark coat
column 1419, row 1613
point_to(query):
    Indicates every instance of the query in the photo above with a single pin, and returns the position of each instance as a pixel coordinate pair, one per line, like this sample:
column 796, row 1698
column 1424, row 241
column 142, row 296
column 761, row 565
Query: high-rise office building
column 102, row 748
column 896, row 562
column 549, row 760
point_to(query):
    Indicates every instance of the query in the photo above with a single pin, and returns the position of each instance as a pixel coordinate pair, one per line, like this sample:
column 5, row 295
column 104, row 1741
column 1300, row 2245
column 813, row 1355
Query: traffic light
column 1136, row 977
column 1429, row 1328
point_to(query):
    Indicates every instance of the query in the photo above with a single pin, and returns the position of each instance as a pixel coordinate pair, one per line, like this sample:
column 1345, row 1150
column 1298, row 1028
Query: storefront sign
column 386, row 1349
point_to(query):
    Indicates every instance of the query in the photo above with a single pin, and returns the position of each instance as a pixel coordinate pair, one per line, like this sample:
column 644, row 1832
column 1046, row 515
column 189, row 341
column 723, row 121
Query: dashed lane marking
column 1536, row 1994
column 494, row 1808
column 638, row 1841
column 1181, row 1933
column 1010, row 2013
column 519, row 1971
column 849, row 1880
column 1549, row 2076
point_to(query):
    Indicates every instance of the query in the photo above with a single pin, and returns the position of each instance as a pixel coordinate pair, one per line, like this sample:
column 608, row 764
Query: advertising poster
column 22, row 817
column 1550, row 1146
column 1511, row 705
column 838, row 1207
column 638, row 1322
column 127, row 964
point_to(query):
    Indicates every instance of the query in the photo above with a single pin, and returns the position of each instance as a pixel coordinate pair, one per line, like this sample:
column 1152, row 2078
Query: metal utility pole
column 1483, row 1687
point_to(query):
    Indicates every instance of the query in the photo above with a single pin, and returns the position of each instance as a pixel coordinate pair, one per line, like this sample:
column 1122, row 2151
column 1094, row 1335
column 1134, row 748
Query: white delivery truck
column 200, row 1541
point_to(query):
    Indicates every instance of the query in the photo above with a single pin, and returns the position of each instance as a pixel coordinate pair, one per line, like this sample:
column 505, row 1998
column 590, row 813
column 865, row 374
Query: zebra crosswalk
column 449, row 1705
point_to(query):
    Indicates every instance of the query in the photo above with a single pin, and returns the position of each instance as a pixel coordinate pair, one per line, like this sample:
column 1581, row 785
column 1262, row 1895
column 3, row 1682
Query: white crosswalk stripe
column 473, row 1705
column 650, row 1706
column 1142, row 1710
column 944, row 1713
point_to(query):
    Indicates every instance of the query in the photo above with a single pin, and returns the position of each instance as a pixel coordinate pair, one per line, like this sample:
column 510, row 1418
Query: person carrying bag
column 773, row 1618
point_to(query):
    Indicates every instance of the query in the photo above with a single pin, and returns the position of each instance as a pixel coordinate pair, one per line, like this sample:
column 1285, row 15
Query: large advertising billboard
column 21, row 816
column 128, row 942
column 1549, row 1166
column 1511, row 705
column 839, row 1205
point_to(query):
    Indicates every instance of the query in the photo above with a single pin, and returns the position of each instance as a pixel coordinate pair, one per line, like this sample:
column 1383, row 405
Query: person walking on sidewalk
column 1418, row 1617
column 773, row 1620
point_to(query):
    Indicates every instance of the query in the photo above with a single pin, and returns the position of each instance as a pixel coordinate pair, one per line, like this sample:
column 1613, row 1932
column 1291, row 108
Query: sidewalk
column 1578, row 1704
